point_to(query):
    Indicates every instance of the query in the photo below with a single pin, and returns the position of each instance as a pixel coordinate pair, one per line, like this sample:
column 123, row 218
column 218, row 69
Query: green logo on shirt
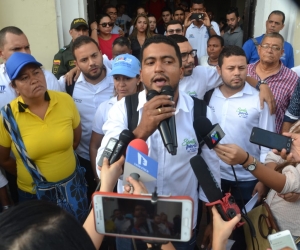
column 242, row 112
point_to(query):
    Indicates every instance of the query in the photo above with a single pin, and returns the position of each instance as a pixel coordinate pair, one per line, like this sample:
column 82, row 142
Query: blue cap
column 125, row 64
column 16, row 62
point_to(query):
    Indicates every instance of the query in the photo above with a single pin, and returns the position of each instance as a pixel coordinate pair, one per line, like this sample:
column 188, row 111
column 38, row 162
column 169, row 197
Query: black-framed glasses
column 110, row 24
column 273, row 48
column 175, row 31
column 185, row 56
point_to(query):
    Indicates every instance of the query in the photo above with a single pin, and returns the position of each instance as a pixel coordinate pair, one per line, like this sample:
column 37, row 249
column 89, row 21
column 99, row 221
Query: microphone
column 125, row 137
column 168, row 90
column 210, row 134
column 137, row 163
column 226, row 206
column 163, row 127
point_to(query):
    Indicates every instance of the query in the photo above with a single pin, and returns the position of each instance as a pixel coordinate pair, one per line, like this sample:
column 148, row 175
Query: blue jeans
column 25, row 196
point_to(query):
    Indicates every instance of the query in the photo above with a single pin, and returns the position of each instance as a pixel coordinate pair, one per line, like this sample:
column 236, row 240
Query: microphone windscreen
column 167, row 90
column 139, row 145
column 204, row 126
column 126, row 136
column 151, row 93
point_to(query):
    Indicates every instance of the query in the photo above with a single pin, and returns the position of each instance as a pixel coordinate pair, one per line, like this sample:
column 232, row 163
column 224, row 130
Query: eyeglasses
column 273, row 48
column 106, row 24
column 185, row 56
column 176, row 31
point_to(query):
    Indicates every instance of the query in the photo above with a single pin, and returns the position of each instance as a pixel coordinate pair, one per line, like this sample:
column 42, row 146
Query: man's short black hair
column 221, row 39
column 161, row 39
column 122, row 41
column 198, row 2
column 179, row 8
column 9, row 29
column 82, row 40
column 172, row 22
column 229, row 51
column 108, row 7
column 164, row 9
column 179, row 38
column 278, row 12
column 233, row 10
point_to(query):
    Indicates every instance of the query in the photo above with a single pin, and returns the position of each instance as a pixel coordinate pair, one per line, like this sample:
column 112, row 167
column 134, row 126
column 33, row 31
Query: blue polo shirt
column 252, row 55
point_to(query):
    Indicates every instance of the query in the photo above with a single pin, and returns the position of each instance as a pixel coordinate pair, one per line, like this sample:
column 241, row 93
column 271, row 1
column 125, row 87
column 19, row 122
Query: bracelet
column 6, row 207
column 246, row 159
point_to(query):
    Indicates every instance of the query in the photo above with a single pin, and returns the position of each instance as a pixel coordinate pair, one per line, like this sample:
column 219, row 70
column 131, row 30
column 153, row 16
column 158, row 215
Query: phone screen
column 142, row 217
column 282, row 242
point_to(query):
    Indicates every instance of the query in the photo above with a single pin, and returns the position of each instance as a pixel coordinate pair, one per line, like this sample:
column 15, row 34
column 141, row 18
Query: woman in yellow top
column 49, row 125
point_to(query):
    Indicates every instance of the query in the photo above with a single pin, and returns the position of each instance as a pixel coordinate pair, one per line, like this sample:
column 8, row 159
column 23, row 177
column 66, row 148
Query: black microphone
column 125, row 138
column 163, row 127
column 211, row 134
column 168, row 90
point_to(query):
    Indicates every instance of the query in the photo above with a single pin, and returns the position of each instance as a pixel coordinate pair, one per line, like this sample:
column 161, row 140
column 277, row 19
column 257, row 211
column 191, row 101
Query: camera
column 197, row 16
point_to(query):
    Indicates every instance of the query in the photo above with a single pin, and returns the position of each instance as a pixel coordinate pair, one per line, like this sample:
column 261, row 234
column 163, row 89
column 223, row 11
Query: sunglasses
column 106, row 24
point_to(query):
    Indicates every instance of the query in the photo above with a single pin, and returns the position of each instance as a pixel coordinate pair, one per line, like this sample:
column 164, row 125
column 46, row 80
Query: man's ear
column 218, row 69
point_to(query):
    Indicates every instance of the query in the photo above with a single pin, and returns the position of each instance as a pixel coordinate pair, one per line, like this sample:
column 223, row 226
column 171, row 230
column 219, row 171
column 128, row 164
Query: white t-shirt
column 175, row 174
column 101, row 114
column 237, row 115
column 198, row 37
column 7, row 92
column 122, row 21
column 202, row 80
column 297, row 70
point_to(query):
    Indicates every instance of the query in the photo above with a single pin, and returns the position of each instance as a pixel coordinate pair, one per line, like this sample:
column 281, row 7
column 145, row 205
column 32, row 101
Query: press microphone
column 168, row 90
column 163, row 127
column 225, row 205
column 137, row 163
column 210, row 134
column 125, row 138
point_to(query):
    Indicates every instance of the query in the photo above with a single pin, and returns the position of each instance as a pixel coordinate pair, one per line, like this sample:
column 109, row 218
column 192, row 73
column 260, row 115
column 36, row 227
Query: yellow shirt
column 48, row 142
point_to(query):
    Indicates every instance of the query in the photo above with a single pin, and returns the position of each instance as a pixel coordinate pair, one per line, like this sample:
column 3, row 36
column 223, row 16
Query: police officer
column 64, row 61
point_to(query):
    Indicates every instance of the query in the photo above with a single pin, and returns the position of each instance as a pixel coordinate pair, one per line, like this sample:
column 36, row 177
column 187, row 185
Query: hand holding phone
column 197, row 16
column 282, row 240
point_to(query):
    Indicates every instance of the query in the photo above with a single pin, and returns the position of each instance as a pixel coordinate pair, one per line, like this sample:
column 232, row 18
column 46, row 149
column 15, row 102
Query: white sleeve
column 52, row 83
column 211, row 158
column 115, row 124
column 213, row 79
column 62, row 83
column 216, row 27
column 99, row 118
column 267, row 122
column 292, row 182
column 3, row 181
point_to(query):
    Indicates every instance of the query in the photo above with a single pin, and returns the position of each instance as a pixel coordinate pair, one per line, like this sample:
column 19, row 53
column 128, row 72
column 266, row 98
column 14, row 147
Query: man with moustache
column 92, row 87
column 179, row 15
column 162, row 65
column 234, row 36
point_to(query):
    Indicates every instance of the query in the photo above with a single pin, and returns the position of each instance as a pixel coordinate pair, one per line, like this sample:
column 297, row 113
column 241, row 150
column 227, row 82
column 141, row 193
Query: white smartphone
column 282, row 240
column 135, row 216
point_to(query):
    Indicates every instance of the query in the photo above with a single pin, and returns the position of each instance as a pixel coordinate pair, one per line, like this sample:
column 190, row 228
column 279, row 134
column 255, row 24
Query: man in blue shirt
column 275, row 23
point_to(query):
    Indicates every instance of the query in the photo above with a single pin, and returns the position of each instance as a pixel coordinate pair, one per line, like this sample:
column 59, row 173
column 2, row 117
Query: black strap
column 208, row 96
column 131, row 102
column 255, row 42
column 70, row 88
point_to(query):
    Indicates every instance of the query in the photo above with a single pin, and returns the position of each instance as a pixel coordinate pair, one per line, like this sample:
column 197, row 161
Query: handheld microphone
column 137, row 164
column 163, row 127
column 211, row 134
column 226, row 206
column 168, row 90
column 126, row 136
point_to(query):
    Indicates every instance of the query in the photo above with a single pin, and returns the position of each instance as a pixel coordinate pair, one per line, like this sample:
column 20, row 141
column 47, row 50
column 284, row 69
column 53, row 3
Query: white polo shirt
column 202, row 80
column 198, row 37
column 7, row 92
column 237, row 115
column 102, row 113
column 175, row 175
column 87, row 98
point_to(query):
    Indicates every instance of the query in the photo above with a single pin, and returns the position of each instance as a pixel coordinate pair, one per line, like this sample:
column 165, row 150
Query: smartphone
column 270, row 140
column 108, row 151
column 135, row 216
column 282, row 240
column 197, row 16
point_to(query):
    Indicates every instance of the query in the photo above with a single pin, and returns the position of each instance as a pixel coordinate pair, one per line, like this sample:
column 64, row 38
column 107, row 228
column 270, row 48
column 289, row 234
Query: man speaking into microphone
column 161, row 65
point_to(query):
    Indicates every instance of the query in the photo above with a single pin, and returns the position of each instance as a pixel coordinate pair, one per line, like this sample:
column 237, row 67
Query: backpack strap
column 131, row 102
column 255, row 42
column 200, row 109
column 70, row 88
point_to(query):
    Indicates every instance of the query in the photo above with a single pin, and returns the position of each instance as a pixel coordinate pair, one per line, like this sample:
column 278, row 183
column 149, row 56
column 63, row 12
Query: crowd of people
column 55, row 126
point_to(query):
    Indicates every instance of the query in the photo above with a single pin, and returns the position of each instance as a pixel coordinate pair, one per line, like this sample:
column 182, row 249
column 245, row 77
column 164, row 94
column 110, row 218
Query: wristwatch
column 251, row 167
column 260, row 83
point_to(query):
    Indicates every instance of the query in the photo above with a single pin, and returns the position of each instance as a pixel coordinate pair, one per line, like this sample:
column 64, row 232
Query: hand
column 290, row 197
column 265, row 94
column 94, row 25
column 121, row 32
column 156, row 110
column 230, row 153
column 138, row 187
column 187, row 21
column 110, row 174
column 294, row 155
column 206, row 20
column 222, row 229
column 72, row 74
column 262, row 191
column 208, row 237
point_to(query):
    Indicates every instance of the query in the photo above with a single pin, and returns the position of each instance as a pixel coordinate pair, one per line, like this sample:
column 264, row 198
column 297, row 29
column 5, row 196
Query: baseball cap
column 78, row 22
column 16, row 63
column 125, row 64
